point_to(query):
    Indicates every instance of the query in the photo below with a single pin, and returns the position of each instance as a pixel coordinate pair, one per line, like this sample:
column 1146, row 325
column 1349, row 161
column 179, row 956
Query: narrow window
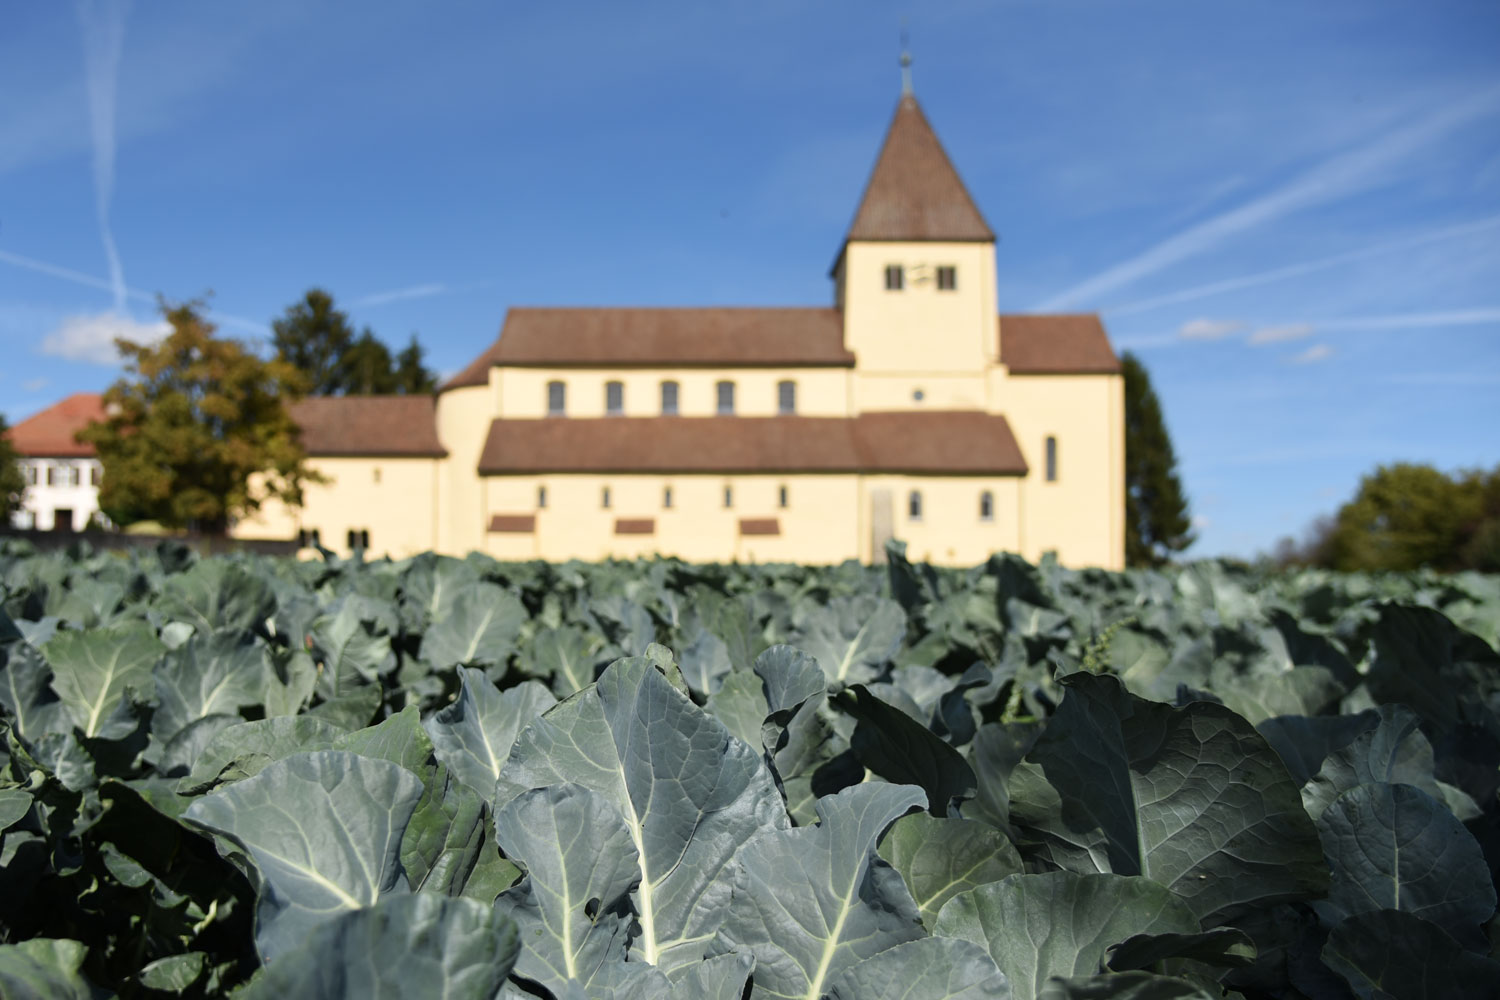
column 1051, row 459
column 947, row 278
column 726, row 398
column 604, row 497
column 786, row 396
column 75, row 475
column 51, row 475
column 986, row 506
column 317, row 539
column 541, row 497
column 895, row 279
column 729, row 496
column 557, row 399
column 782, row 497
column 614, row 398
column 94, row 473
column 914, row 505
column 352, row 537
column 666, row 496
column 669, row 399
column 364, row 539
column 30, row 474
column 302, row 538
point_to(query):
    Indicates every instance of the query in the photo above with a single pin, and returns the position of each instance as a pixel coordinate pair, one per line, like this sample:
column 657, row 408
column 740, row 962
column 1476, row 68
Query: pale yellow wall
column 920, row 329
column 821, row 392
column 1081, row 516
column 394, row 499
column 897, row 391
column 463, row 423
column 820, row 523
column 950, row 531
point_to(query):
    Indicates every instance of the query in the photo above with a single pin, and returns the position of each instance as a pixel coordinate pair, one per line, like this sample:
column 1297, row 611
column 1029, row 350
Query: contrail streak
column 103, row 24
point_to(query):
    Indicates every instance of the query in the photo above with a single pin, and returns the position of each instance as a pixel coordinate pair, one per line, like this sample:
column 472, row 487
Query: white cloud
column 1314, row 354
column 92, row 338
column 1280, row 334
column 34, row 384
column 1208, row 329
column 1338, row 177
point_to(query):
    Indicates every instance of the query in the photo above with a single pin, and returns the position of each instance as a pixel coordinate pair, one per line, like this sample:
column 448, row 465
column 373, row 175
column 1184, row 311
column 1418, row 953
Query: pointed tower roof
column 914, row 192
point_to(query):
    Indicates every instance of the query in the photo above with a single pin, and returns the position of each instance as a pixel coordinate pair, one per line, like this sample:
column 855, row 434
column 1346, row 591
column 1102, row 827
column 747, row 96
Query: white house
column 62, row 475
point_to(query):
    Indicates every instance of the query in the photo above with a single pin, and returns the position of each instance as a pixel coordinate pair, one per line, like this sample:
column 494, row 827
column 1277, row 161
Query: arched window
column 786, row 397
column 986, row 506
column 669, row 399
column 557, row 399
column 914, row 505
column 1051, row 459
column 614, row 398
column 726, row 398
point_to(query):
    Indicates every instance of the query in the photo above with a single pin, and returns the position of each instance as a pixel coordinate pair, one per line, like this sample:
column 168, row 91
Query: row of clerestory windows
column 606, row 497
column 614, row 398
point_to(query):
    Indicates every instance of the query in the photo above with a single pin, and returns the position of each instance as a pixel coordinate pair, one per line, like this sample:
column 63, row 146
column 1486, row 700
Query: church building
column 910, row 408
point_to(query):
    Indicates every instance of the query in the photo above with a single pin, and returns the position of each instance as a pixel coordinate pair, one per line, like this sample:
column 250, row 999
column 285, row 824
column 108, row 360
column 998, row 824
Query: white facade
column 62, row 494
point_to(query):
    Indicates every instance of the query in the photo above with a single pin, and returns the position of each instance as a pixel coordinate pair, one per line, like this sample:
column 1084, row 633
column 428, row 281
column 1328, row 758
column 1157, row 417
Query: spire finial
column 905, row 62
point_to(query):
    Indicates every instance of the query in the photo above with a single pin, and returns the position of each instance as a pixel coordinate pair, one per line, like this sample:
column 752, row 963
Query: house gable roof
column 49, row 434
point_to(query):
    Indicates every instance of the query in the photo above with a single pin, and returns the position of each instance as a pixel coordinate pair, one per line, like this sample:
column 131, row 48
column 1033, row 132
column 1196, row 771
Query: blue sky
column 1289, row 210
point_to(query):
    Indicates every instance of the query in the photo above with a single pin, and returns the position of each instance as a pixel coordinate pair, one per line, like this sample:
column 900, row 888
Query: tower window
column 786, row 397
column 947, row 276
column 1051, row 459
column 669, row 399
column 614, row 398
column 557, row 399
column 914, row 505
column 986, row 506
column 726, row 398
column 541, row 497
column 666, row 496
column 604, row 498
column 783, row 498
column 895, row 278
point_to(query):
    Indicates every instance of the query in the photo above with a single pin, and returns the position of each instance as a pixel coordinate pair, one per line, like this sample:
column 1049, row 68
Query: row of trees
column 1408, row 516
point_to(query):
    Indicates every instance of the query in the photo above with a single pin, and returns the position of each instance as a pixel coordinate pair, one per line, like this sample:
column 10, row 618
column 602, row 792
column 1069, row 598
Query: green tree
column 1406, row 516
column 1157, row 524
column 319, row 340
column 198, row 433
column 12, row 482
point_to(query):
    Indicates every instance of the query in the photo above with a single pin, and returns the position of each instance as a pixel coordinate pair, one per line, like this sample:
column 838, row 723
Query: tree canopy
column 1157, row 524
column 198, row 432
column 318, row 339
column 12, row 482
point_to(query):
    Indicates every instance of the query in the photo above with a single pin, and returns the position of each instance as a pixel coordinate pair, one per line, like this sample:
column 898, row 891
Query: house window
column 783, row 497
column 914, row 505
column 669, row 399
column 614, row 398
column 359, row 538
column 557, row 399
column 95, row 472
column 666, row 496
column 308, row 538
column 541, row 496
column 786, row 396
column 72, row 475
column 604, row 498
column 52, row 475
column 986, row 506
column 729, row 496
column 30, row 474
column 1051, row 459
column 947, row 278
column 726, row 398
column 895, row 279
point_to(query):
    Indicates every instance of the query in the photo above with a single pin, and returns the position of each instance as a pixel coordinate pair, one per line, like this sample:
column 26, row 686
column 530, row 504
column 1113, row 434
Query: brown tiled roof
column 513, row 523
column 760, row 526
column 49, row 434
column 664, row 338
column 914, row 192
column 635, row 525
column 369, row 425
column 1056, row 345
column 935, row 442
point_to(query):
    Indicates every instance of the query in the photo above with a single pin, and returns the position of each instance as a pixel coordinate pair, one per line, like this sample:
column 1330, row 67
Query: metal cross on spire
column 905, row 63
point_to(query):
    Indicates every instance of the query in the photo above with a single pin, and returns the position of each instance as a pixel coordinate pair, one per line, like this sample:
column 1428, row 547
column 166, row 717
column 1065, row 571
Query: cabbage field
column 464, row 778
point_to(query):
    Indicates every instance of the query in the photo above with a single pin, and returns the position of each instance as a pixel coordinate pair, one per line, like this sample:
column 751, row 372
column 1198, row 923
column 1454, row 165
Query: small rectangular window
column 94, row 475
column 614, row 398
column 364, row 539
column 947, row 278
column 894, row 278
column 1051, row 459
column 986, row 506
column 669, row 399
column 541, row 496
column 52, row 475
column 30, row 474
column 666, row 496
column 786, row 397
column 726, row 398
column 604, row 498
column 914, row 506
column 557, row 399
column 782, row 497
column 729, row 496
